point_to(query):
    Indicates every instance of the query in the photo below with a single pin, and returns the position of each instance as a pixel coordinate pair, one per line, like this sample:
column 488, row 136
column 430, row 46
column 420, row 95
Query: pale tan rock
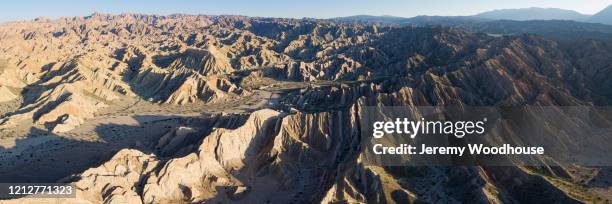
column 222, row 152
column 67, row 123
column 6, row 94
column 116, row 180
column 83, row 65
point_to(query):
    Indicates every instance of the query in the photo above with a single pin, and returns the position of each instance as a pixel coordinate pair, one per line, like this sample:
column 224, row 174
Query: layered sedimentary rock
column 71, row 68
column 306, row 158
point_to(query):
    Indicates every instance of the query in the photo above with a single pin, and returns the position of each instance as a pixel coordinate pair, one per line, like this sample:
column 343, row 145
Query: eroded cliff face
column 309, row 158
column 165, row 59
column 305, row 146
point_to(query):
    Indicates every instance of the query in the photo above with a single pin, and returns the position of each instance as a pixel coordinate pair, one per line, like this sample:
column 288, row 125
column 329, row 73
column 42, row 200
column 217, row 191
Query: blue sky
column 29, row 9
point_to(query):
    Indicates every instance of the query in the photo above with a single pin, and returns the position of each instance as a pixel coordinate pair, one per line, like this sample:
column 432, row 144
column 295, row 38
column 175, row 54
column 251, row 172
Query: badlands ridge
column 204, row 109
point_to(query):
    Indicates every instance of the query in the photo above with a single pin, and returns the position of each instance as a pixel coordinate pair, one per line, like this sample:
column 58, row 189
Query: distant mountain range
column 523, row 14
column 533, row 13
column 550, row 22
column 372, row 19
column 604, row 16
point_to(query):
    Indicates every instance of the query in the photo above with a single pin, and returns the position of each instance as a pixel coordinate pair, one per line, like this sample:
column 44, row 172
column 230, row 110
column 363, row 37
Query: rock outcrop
column 6, row 94
column 324, row 73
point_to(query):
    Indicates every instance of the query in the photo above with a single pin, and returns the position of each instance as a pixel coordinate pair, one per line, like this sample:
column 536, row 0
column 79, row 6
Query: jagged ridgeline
column 61, row 73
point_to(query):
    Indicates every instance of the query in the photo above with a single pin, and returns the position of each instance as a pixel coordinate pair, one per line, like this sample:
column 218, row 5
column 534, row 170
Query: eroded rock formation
column 70, row 69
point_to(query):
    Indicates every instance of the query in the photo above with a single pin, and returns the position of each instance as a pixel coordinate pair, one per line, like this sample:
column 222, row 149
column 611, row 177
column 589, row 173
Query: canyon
column 136, row 108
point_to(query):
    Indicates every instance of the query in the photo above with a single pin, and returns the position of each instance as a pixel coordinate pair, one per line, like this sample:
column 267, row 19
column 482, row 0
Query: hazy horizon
column 30, row 9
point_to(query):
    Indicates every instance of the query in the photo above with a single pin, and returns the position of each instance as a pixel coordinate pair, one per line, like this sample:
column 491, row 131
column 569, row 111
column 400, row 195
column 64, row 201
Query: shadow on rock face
column 43, row 156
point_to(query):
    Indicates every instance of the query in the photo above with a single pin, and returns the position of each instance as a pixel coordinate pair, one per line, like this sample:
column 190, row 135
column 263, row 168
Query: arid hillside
column 203, row 109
